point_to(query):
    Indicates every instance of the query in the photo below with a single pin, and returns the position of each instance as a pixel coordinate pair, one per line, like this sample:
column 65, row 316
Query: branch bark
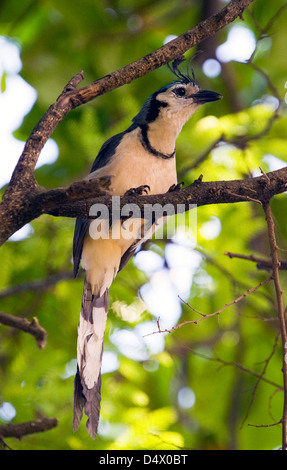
column 23, row 190
column 76, row 199
column 36, row 285
column 259, row 189
column 33, row 327
column 261, row 263
column 30, row 427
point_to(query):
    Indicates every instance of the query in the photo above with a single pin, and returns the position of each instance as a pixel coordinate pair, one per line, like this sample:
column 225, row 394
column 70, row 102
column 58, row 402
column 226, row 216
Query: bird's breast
column 133, row 166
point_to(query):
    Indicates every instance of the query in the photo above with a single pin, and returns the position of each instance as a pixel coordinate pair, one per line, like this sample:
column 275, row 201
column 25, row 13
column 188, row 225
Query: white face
column 181, row 104
column 180, row 98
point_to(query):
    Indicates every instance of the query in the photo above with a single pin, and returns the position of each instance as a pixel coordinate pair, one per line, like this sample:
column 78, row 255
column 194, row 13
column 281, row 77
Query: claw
column 175, row 187
column 138, row 191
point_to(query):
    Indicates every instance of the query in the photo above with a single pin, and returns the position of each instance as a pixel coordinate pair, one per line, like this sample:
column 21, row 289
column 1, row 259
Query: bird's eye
column 180, row 91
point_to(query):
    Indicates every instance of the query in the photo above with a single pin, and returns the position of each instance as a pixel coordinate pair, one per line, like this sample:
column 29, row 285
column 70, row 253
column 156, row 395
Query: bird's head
column 177, row 101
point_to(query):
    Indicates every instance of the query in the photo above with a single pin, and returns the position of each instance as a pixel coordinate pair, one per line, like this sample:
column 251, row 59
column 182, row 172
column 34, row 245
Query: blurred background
column 194, row 388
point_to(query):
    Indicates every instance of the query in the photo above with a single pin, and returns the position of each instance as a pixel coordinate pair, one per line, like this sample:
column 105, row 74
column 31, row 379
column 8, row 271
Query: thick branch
column 199, row 193
column 76, row 199
column 30, row 427
column 16, row 211
column 23, row 175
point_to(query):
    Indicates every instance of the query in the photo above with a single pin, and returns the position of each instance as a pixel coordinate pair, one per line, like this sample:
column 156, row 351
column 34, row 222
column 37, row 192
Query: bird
column 139, row 159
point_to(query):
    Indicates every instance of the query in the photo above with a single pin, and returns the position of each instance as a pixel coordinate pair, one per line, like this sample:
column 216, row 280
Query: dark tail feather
column 79, row 401
column 88, row 400
column 87, row 392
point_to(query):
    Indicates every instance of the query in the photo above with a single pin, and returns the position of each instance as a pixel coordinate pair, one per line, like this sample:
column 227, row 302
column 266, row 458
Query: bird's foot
column 175, row 187
column 144, row 189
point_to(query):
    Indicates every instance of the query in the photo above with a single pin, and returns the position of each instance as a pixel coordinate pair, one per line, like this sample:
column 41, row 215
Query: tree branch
column 36, row 284
column 199, row 193
column 30, row 427
column 239, row 366
column 76, row 199
column 213, row 314
column 261, row 263
column 33, row 327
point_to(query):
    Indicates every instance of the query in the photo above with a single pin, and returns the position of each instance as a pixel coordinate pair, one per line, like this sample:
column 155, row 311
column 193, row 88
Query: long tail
column 91, row 330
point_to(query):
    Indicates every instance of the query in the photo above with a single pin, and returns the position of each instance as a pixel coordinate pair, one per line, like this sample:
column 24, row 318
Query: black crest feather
column 189, row 76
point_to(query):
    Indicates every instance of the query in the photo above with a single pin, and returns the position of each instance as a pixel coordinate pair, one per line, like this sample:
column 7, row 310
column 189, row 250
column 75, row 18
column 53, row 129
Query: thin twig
column 261, row 262
column 246, row 198
column 281, row 313
column 265, row 425
column 261, row 377
column 205, row 316
column 238, row 366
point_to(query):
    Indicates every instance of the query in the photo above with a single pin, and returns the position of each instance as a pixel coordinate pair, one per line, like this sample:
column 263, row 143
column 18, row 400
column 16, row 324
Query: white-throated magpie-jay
column 141, row 156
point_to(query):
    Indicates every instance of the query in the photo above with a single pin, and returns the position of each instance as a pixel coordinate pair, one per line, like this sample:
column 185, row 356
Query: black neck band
column 146, row 143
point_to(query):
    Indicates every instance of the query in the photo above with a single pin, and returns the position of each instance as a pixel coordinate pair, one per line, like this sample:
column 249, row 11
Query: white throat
column 163, row 132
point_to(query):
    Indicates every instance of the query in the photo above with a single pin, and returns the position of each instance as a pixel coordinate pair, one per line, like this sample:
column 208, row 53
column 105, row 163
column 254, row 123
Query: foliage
column 216, row 360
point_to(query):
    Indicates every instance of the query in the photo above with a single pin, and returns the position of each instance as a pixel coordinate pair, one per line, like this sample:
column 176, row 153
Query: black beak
column 205, row 96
